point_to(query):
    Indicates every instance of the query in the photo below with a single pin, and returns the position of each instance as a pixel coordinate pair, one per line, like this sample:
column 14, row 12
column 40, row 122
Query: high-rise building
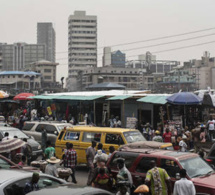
column 16, row 56
column 115, row 58
column 46, row 35
column 82, row 46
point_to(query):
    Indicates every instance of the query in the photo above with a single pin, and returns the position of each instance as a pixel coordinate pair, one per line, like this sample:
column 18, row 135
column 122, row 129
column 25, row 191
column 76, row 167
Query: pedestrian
column 118, row 122
column 26, row 150
column 43, row 138
column 49, row 151
column 6, row 136
column 51, row 168
column 157, row 137
column 167, row 136
column 182, row 144
column 111, row 151
column 22, row 163
column 100, row 155
column 33, row 184
column 100, row 147
column 210, row 125
column 184, row 186
column 147, row 131
column 124, row 178
column 159, row 180
column 90, row 154
column 202, row 135
column 70, row 160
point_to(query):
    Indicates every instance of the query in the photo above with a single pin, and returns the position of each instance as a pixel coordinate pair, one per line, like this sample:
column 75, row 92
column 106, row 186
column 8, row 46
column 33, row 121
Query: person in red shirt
column 167, row 136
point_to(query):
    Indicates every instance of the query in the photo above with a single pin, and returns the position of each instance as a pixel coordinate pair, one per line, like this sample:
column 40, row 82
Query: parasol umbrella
column 3, row 94
column 11, row 144
column 184, row 98
column 23, row 96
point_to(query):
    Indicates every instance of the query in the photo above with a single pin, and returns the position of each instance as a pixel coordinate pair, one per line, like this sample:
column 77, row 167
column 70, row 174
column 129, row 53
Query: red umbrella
column 23, row 96
column 10, row 144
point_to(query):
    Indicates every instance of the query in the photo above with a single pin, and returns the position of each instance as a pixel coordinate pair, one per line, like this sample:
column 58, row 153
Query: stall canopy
column 119, row 97
column 154, row 99
column 79, row 98
column 67, row 97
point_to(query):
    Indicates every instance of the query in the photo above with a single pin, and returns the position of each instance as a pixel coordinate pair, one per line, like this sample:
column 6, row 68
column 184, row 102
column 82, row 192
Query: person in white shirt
column 211, row 127
column 182, row 144
column 184, row 186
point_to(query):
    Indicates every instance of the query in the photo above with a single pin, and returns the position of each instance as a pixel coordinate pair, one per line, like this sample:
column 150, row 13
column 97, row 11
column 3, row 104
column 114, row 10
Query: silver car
column 33, row 128
column 12, row 181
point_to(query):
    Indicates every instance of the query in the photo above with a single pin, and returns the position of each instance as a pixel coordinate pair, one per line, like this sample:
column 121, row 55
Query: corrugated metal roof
column 154, row 99
column 84, row 98
column 119, row 97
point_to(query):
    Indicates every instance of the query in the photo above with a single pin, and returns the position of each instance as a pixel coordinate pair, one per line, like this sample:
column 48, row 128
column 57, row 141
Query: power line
column 173, row 49
column 155, row 39
column 160, row 44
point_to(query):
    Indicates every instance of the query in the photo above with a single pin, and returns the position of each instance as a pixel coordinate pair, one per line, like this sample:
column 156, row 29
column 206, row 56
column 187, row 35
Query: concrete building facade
column 47, row 70
column 16, row 56
column 131, row 78
column 202, row 70
column 46, row 35
column 82, row 46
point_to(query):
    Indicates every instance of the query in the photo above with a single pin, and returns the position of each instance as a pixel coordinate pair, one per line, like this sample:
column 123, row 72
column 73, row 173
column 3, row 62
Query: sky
column 119, row 22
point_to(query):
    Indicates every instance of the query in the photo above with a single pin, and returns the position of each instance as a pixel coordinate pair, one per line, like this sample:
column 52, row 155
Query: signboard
column 131, row 122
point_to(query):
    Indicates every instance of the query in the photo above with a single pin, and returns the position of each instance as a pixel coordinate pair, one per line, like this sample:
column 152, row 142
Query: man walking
column 49, row 151
column 158, row 178
column 43, row 138
column 184, row 186
column 90, row 154
column 70, row 160
column 210, row 125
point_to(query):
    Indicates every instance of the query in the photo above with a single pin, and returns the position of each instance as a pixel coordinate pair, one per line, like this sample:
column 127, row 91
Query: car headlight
column 39, row 147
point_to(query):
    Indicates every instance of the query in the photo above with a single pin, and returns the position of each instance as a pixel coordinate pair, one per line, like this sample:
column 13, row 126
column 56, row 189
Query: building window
column 47, row 70
column 47, row 77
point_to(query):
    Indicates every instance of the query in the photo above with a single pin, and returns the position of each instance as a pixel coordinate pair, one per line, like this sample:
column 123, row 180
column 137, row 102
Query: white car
column 33, row 128
column 14, row 181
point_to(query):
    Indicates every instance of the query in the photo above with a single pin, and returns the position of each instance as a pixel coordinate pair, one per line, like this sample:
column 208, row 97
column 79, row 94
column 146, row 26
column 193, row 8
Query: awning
column 79, row 98
column 44, row 97
column 66, row 97
column 120, row 97
column 154, row 99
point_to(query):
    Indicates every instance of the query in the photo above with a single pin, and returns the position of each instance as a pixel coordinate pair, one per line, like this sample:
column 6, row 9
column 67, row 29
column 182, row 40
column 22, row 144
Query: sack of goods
column 64, row 173
column 41, row 164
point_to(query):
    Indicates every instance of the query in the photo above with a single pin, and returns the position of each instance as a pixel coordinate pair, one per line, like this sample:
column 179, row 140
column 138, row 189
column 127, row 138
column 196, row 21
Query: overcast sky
column 119, row 21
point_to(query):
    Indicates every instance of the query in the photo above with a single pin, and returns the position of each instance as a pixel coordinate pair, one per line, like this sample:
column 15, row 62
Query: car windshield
column 201, row 168
column 60, row 127
column 133, row 136
column 15, row 132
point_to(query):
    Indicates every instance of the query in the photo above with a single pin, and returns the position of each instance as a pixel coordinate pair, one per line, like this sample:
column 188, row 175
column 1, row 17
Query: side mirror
column 55, row 132
column 212, row 166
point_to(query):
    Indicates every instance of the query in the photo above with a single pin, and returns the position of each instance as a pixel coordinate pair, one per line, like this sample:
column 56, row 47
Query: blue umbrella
column 184, row 98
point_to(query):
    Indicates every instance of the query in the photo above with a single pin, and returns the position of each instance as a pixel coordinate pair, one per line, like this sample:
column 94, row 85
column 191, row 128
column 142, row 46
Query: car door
column 140, row 169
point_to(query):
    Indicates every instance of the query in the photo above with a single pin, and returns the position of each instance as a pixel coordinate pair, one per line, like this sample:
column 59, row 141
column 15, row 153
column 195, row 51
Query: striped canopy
column 10, row 144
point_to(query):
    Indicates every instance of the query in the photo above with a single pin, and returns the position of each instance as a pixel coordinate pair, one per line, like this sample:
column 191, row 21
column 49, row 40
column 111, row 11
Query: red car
column 138, row 163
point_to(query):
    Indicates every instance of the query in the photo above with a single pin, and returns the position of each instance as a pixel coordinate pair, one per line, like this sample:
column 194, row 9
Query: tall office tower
column 16, row 56
column 46, row 35
column 82, row 47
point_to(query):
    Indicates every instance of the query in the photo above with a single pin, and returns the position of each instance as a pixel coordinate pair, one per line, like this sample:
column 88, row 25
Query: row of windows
column 80, row 49
column 88, row 21
column 47, row 77
column 82, row 26
column 82, row 60
column 122, row 72
column 82, row 54
column 74, row 37
column 83, row 32
column 84, row 43
column 47, row 70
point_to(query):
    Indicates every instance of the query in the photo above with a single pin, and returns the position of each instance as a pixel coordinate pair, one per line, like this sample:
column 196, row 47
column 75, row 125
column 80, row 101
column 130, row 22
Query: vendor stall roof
column 43, row 97
column 154, row 99
column 119, row 97
column 83, row 98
